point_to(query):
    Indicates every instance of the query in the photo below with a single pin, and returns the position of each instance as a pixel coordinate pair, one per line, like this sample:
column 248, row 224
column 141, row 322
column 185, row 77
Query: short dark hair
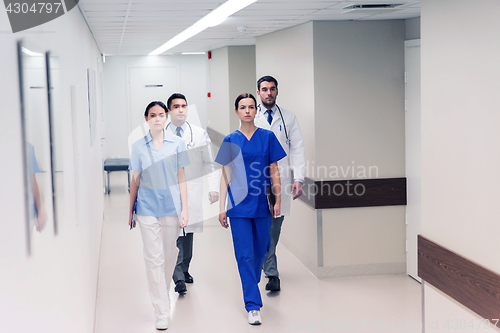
column 267, row 78
column 175, row 96
column 153, row 103
column 242, row 96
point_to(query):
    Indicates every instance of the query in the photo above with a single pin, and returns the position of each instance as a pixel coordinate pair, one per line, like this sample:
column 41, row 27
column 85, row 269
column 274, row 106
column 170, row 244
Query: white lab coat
column 295, row 158
column 202, row 163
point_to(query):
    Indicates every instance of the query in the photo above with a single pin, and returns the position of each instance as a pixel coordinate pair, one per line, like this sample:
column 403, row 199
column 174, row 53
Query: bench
column 116, row 164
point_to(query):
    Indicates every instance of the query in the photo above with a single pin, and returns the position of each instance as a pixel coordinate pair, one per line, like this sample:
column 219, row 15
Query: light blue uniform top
column 159, row 193
column 250, row 161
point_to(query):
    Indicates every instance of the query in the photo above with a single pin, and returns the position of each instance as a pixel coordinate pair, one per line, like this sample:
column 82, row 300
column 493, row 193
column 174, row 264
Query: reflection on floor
column 214, row 302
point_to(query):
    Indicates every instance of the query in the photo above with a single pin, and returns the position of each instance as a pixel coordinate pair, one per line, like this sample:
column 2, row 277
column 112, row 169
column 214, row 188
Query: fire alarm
column 209, row 54
column 209, row 95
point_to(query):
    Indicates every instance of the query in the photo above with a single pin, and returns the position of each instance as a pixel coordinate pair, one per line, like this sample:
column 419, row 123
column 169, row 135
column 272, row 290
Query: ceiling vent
column 372, row 8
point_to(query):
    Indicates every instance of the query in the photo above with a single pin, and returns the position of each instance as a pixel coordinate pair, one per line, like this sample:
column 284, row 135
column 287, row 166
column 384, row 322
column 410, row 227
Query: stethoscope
column 191, row 144
column 288, row 141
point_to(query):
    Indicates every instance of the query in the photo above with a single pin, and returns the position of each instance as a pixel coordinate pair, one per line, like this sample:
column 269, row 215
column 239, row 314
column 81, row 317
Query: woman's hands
column 134, row 188
column 223, row 220
column 131, row 222
column 225, row 179
column 183, row 218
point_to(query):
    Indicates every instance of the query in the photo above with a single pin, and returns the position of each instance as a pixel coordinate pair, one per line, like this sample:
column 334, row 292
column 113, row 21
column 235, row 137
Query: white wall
column 241, row 63
column 359, row 112
column 345, row 83
column 219, row 106
column 192, row 83
column 54, row 290
column 287, row 55
column 363, row 241
column 231, row 73
column 460, row 52
column 413, row 28
column 359, row 95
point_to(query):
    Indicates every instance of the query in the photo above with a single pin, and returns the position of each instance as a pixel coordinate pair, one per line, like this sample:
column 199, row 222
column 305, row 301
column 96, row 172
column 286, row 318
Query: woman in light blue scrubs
column 158, row 184
column 249, row 157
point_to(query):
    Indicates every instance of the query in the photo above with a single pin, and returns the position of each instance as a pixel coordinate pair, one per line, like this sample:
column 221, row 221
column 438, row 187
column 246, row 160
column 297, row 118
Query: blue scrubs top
column 250, row 162
column 159, row 193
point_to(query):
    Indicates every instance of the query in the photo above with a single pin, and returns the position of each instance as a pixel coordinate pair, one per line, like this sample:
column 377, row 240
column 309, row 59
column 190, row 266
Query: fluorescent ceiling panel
column 215, row 17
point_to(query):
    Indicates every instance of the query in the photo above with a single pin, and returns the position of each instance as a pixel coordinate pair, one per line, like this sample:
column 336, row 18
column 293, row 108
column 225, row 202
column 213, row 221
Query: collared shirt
column 274, row 109
column 158, row 193
column 184, row 127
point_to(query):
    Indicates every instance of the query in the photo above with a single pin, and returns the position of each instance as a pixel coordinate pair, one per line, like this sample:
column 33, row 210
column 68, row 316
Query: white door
column 147, row 84
column 413, row 160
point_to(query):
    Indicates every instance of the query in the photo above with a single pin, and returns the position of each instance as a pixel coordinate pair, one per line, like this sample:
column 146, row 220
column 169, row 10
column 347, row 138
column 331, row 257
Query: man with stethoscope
column 202, row 163
column 286, row 128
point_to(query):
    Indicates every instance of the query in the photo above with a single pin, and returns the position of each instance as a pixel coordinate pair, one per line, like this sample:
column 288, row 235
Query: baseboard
column 361, row 270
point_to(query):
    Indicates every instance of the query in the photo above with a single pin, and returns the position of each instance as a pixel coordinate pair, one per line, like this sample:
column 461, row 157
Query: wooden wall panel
column 354, row 193
column 474, row 286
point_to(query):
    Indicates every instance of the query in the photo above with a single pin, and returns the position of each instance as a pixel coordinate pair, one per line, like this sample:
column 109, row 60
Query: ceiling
column 126, row 27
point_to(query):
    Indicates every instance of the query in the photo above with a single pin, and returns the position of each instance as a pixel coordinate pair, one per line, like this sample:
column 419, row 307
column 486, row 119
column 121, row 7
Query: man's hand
column 213, row 196
column 183, row 219
column 296, row 190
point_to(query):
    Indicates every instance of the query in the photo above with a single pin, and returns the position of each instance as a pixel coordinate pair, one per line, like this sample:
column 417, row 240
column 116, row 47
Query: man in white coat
column 201, row 163
column 286, row 128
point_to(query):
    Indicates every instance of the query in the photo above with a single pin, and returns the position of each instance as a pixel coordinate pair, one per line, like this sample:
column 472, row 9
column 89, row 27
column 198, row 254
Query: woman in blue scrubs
column 158, row 184
column 249, row 157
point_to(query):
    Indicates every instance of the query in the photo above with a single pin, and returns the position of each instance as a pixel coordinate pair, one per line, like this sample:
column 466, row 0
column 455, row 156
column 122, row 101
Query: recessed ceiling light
column 375, row 8
column 212, row 19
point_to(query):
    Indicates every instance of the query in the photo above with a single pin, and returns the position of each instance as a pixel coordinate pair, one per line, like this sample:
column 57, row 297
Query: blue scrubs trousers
column 251, row 242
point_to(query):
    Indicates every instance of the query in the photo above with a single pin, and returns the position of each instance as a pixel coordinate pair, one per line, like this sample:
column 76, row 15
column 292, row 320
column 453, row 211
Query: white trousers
column 159, row 237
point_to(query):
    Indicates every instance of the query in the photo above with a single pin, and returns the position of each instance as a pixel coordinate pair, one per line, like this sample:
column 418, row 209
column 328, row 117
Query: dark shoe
column 188, row 278
column 180, row 287
column 273, row 284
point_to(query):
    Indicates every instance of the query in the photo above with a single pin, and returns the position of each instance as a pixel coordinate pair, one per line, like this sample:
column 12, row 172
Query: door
column 413, row 159
column 147, row 84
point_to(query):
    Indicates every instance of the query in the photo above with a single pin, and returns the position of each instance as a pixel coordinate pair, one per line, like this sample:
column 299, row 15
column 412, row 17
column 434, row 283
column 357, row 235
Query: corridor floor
column 214, row 302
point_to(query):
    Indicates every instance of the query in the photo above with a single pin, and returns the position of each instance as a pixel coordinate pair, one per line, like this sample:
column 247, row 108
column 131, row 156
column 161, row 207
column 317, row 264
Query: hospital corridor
column 187, row 144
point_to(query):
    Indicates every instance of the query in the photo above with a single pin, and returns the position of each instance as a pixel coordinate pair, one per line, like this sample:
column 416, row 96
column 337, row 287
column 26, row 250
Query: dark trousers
column 271, row 262
column 185, row 246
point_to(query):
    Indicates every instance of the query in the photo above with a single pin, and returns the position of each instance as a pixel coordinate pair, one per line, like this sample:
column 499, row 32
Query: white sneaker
column 162, row 323
column 254, row 317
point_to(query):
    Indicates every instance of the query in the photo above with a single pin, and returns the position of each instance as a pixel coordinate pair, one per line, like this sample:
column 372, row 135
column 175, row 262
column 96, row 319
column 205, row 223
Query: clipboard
column 133, row 214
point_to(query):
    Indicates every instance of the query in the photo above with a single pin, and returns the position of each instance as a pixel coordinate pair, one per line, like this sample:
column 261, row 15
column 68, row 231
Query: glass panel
column 56, row 136
column 35, row 128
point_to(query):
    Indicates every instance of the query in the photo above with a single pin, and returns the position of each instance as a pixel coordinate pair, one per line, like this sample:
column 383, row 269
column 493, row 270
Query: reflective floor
column 214, row 302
